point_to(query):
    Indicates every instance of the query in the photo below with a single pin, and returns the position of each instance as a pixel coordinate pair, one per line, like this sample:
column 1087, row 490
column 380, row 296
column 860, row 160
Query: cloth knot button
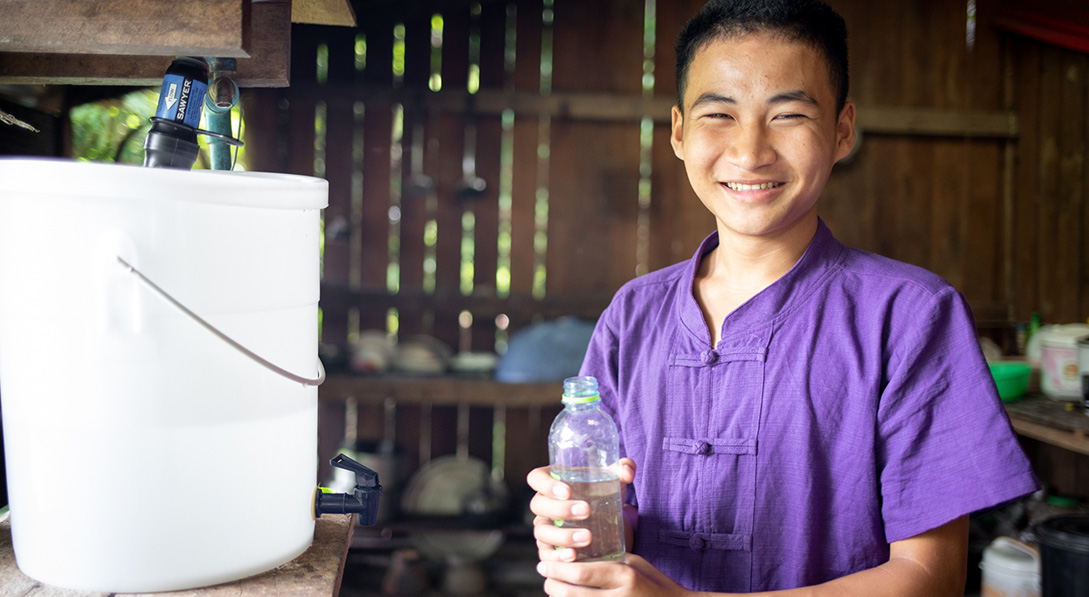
column 703, row 448
column 697, row 543
column 708, row 357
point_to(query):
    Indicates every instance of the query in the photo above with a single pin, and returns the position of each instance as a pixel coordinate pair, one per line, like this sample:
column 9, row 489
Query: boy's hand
column 553, row 502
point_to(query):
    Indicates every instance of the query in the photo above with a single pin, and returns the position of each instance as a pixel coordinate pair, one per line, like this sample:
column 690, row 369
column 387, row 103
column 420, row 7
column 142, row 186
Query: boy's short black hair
column 808, row 21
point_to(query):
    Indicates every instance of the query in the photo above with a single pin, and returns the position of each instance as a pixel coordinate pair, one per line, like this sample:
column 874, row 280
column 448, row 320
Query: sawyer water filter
column 172, row 140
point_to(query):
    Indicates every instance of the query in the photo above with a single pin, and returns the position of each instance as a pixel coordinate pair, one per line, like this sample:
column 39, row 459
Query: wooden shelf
column 440, row 390
column 318, row 571
column 135, row 46
column 1061, row 424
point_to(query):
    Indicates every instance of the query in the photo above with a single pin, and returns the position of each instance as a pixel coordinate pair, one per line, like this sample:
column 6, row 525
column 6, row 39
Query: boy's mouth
column 739, row 186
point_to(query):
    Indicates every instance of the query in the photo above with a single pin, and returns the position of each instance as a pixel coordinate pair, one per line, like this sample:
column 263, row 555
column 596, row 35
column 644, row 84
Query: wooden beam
column 937, row 122
column 339, row 299
column 323, row 12
column 874, row 120
column 269, row 65
column 126, row 27
column 1075, row 441
column 444, row 390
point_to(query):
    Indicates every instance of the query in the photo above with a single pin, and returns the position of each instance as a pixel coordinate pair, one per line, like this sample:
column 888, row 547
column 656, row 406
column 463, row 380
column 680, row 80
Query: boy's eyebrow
column 793, row 96
column 788, row 96
column 713, row 98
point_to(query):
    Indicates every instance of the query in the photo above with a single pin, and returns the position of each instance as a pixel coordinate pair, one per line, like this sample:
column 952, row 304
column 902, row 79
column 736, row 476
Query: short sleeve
column 946, row 447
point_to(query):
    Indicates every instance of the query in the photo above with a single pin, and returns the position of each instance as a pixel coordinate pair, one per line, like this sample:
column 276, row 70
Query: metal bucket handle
column 224, row 337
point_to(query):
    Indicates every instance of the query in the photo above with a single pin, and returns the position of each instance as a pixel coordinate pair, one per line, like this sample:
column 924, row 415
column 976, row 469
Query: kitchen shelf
column 318, row 571
column 1061, row 424
column 440, row 390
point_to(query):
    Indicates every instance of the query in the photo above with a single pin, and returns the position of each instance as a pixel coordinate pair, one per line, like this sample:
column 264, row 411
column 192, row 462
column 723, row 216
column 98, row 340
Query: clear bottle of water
column 584, row 452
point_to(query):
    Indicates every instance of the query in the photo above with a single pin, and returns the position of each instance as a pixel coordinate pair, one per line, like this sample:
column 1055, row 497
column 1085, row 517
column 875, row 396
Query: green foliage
column 114, row 130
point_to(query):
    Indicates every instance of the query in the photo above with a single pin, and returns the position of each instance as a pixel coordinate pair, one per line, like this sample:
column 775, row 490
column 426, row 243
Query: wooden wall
column 971, row 161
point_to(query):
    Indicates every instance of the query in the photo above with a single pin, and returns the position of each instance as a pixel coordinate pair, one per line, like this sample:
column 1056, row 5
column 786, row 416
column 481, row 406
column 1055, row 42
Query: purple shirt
column 847, row 406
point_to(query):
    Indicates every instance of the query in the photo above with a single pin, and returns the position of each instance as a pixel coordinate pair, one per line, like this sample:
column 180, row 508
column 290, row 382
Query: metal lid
column 1068, row 533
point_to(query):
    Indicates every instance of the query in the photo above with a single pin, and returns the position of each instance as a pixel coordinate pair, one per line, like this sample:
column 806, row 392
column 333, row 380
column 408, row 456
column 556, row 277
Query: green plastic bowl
column 1011, row 378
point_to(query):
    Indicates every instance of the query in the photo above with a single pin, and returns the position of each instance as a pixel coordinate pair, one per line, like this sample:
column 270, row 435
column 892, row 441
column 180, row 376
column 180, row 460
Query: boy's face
column 760, row 133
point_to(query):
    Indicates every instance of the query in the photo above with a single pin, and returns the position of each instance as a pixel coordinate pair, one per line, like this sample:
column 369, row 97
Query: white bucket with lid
column 143, row 452
column 1010, row 569
column 1059, row 377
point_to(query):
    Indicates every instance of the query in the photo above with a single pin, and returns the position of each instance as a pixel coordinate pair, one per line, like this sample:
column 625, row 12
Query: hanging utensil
column 472, row 186
column 419, row 184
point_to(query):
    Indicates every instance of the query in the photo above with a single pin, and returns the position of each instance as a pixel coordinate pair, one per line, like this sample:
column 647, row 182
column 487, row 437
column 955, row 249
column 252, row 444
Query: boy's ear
column 845, row 131
column 676, row 137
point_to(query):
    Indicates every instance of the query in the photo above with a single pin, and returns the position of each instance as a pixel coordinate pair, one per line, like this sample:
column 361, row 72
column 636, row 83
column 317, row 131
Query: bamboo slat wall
column 971, row 163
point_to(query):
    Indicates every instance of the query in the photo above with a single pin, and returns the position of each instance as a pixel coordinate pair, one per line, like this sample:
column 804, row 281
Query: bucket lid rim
column 53, row 176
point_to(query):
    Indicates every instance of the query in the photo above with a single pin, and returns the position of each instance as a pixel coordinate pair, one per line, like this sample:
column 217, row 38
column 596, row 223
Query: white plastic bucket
column 1059, row 378
column 1010, row 569
column 143, row 452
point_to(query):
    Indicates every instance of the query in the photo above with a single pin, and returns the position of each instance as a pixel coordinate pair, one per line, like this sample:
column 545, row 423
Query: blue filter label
column 181, row 100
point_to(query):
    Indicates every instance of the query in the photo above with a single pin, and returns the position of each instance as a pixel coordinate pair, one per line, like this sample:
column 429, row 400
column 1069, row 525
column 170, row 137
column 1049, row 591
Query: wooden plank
column 318, row 571
column 937, row 122
column 377, row 167
column 1069, row 193
column 414, row 317
column 323, row 12
column 526, row 159
column 523, row 200
column 1049, row 203
column 1029, row 98
column 485, row 210
column 515, row 305
column 443, row 391
column 678, row 221
column 608, row 107
column 337, row 217
column 593, row 183
column 218, row 28
column 1073, row 441
column 446, row 141
column 267, row 66
column 669, row 19
column 948, row 179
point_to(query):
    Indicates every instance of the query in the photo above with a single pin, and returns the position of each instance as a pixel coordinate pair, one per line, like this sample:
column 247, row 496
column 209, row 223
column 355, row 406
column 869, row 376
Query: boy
column 805, row 416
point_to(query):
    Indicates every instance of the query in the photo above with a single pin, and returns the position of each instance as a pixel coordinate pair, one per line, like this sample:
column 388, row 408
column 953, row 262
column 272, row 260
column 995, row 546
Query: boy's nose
column 751, row 148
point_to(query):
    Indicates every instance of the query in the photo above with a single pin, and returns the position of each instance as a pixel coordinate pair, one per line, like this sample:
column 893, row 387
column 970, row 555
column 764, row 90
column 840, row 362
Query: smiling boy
column 806, row 417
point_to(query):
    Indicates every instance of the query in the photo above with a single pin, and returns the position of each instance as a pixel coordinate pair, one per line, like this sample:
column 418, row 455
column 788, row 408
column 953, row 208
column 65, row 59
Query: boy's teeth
column 752, row 187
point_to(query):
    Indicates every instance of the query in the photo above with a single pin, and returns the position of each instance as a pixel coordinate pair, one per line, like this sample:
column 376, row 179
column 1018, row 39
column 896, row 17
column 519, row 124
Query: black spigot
column 363, row 501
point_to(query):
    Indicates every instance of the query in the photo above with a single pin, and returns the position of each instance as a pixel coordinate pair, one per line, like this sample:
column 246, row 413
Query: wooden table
column 318, row 571
column 1057, row 423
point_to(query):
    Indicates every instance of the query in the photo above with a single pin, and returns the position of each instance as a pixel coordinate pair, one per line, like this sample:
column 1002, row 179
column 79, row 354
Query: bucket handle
column 224, row 337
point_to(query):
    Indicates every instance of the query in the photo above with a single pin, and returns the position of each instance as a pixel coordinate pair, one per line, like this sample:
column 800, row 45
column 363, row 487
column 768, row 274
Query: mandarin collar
column 819, row 260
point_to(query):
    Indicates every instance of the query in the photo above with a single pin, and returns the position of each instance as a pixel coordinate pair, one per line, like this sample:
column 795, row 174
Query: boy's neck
column 740, row 267
column 744, row 263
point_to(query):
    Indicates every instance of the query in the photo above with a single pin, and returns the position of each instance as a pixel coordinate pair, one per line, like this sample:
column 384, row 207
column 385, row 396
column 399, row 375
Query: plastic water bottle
column 584, row 452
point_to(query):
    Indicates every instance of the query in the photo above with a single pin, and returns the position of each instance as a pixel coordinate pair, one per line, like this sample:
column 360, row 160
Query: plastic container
column 1059, row 378
column 1064, row 556
column 1010, row 569
column 1011, row 378
column 144, row 453
column 584, row 452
